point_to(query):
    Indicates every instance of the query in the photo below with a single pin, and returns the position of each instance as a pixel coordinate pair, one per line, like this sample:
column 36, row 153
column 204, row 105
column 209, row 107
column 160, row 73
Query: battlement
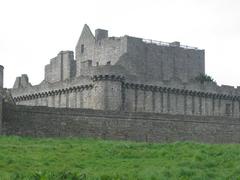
column 168, row 44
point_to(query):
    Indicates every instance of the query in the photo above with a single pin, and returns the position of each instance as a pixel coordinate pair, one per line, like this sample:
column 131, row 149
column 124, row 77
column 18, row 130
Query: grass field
column 73, row 158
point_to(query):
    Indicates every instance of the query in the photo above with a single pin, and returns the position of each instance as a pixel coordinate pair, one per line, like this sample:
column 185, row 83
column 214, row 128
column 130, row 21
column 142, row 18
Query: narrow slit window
column 82, row 48
column 228, row 109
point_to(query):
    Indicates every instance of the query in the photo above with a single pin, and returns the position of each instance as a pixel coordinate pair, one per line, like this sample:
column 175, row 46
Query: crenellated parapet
column 108, row 78
column 115, row 92
column 52, row 93
column 108, row 93
column 177, row 91
column 140, row 97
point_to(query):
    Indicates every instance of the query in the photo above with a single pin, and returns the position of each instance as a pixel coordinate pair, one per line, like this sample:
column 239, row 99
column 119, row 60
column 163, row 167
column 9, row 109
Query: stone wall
column 114, row 93
column 147, row 98
column 150, row 127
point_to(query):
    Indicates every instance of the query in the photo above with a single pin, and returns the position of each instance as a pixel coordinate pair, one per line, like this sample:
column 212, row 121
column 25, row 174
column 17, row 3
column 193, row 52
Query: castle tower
column 108, row 92
column 1, row 76
column 1, row 97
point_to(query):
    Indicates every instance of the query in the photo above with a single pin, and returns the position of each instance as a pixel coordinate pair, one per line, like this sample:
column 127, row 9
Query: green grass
column 73, row 158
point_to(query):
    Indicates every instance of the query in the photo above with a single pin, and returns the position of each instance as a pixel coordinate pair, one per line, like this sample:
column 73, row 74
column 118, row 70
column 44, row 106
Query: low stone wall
column 150, row 127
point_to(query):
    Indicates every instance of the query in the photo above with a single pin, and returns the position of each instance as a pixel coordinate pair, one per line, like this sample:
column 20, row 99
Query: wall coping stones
column 122, row 114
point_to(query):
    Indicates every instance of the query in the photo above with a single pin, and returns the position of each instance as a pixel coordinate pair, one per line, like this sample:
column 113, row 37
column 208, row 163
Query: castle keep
column 124, row 88
column 128, row 74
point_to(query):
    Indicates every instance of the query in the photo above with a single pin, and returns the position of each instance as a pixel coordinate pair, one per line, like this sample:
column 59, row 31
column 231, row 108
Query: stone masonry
column 149, row 127
column 1, row 97
column 129, row 74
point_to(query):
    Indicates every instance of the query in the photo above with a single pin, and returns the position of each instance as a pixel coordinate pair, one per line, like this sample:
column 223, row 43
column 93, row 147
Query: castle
column 123, row 88
column 128, row 74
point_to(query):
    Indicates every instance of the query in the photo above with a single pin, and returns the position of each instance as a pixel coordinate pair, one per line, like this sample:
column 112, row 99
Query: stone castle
column 123, row 88
column 129, row 74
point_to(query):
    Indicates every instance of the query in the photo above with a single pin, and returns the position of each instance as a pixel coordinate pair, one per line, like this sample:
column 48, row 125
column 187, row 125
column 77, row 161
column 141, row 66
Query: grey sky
column 33, row 31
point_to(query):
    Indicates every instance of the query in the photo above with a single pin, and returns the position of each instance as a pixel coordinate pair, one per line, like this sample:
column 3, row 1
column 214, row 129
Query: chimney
column 101, row 34
column 175, row 44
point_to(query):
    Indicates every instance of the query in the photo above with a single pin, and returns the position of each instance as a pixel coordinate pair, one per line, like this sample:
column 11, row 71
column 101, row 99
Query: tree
column 204, row 78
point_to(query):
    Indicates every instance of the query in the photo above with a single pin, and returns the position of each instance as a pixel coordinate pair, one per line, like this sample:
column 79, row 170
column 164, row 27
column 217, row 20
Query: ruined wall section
column 85, row 48
column 149, row 127
column 99, row 49
column 61, row 67
column 22, row 82
column 104, row 51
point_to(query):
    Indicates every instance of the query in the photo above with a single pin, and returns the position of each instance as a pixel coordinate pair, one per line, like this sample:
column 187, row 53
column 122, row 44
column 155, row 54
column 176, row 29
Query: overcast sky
column 34, row 31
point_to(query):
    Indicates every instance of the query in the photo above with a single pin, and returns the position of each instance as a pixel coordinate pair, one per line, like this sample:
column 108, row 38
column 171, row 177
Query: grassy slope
column 30, row 157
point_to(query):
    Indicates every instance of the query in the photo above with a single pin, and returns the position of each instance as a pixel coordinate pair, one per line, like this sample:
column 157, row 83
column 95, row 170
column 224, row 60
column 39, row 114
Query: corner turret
column 101, row 34
column 1, row 98
column 1, row 76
